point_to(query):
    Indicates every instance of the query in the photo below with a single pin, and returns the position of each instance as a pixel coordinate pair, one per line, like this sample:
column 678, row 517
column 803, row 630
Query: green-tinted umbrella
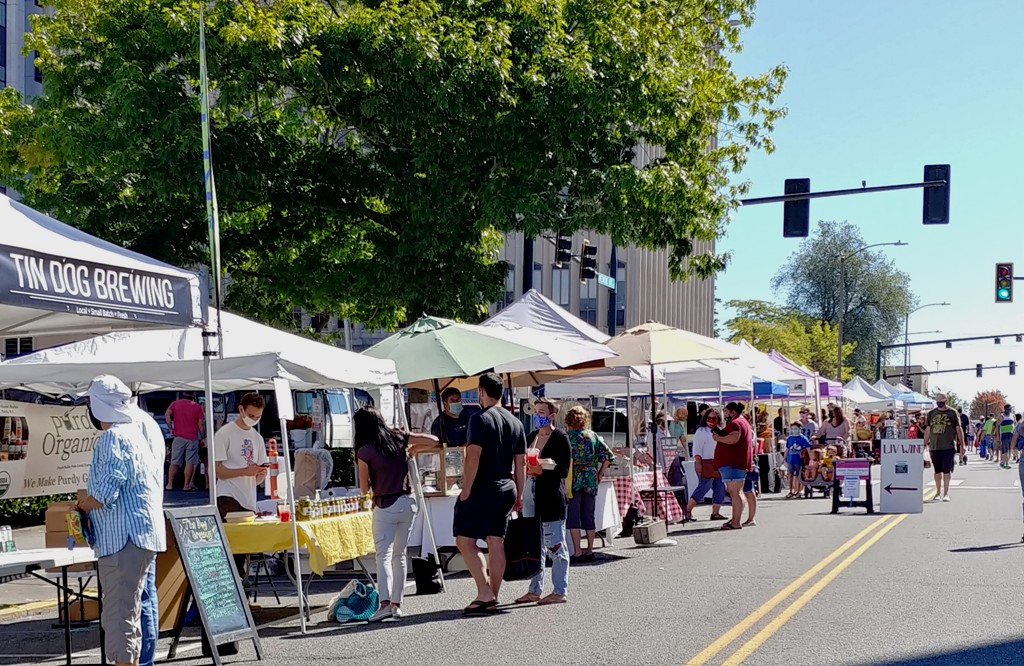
column 434, row 348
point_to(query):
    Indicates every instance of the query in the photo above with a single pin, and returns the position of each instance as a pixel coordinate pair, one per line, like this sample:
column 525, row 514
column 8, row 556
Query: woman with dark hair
column 704, row 461
column 836, row 430
column 734, row 457
column 383, row 455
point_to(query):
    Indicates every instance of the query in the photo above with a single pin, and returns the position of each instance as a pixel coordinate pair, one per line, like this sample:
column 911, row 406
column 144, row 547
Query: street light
column 906, row 333
column 842, row 298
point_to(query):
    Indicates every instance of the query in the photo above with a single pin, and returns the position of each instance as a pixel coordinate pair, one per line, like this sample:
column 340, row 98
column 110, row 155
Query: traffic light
column 977, row 370
column 1004, row 283
column 796, row 215
column 563, row 251
column 936, row 199
column 1013, row 368
column 588, row 261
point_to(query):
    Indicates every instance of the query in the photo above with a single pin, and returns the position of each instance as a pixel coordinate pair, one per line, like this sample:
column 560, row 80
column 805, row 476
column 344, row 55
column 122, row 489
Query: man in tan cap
column 944, row 437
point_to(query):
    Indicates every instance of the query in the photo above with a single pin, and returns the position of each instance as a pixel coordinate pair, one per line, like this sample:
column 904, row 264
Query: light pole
column 842, row 299
column 906, row 334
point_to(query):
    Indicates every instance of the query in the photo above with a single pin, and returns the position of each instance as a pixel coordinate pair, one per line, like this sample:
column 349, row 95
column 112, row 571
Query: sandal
column 553, row 599
column 480, row 607
column 730, row 526
column 528, row 598
column 717, row 516
column 750, row 523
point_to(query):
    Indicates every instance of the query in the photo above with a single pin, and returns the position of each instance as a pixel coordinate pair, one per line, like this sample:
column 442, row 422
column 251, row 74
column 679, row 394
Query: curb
column 26, row 609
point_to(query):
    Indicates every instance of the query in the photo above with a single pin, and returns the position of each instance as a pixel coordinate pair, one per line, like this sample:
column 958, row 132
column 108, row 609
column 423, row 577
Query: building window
column 560, row 286
column 538, row 277
column 3, row 44
column 620, row 294
column 17, row 346
column 509, row 295
column 588, row 302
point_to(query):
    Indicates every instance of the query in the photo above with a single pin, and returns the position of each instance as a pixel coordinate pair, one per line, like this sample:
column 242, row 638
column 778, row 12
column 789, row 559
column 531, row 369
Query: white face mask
column 249, row 422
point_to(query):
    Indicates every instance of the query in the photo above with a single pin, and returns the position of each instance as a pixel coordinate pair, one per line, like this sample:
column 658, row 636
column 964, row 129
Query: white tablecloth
column 442, row 513
column 23, row 561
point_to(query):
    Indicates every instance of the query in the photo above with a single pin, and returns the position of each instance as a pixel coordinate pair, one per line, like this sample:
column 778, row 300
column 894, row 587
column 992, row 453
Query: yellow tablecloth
column 328, row 540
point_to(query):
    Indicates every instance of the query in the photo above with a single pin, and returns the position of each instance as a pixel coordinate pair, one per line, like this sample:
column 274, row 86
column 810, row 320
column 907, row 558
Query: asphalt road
column 942, row 587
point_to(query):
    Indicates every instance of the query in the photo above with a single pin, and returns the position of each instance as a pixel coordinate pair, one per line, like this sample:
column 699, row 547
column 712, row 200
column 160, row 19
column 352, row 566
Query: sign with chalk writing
column 211, row 574
column 49, row 282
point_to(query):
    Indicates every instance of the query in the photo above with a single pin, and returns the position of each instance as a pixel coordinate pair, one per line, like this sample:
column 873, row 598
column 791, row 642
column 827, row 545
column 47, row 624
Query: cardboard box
column 55, row 521
column 650, row 532
column 60, row 540
column 87, row 610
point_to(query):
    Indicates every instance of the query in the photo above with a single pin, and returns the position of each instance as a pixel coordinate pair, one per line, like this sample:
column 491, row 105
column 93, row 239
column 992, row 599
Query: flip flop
column 528, row 599
column 481, row 607
column 552, row 599
column 717, row 516
column 730, row 526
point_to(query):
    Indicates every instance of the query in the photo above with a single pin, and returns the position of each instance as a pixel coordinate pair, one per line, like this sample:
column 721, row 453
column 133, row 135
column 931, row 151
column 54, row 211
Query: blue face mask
column 455, row 408
column 541, row 421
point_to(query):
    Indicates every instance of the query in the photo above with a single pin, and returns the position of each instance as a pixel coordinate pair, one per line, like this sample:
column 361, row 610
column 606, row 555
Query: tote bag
column 522, row 549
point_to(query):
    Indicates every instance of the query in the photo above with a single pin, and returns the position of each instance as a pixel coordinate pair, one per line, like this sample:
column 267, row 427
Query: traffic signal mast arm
column 880, row 348
column 782, row 198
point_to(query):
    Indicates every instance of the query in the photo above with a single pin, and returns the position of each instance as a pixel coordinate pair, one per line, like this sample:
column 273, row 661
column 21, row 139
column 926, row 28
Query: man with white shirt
column 241, row 457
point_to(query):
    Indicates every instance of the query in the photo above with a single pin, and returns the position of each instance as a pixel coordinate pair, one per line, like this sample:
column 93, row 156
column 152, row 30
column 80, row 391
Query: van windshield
column 337, row 403
column 602, row 421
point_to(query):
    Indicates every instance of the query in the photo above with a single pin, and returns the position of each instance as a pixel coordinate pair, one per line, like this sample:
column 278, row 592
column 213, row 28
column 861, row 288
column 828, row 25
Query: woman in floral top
column 590, row 458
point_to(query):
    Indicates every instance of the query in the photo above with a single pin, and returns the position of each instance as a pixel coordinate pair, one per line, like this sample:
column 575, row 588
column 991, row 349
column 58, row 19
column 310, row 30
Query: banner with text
column 48, row 282
column 44, row 450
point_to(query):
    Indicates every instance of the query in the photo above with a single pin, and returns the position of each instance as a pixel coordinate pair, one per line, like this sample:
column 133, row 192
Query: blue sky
column 876, row 90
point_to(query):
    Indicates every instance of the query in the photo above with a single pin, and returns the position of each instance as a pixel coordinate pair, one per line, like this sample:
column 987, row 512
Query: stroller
column 818, row 473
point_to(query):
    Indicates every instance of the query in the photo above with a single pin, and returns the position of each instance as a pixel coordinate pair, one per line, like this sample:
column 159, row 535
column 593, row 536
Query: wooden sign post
column 212, row 580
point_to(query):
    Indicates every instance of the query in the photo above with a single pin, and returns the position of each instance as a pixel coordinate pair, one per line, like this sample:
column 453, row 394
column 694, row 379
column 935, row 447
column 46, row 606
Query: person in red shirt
column 734, row 457
column 185, row 419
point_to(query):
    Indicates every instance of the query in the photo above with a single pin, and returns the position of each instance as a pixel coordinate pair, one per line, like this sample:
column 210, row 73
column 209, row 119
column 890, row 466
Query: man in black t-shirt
column 452, row 424
column 494, row 474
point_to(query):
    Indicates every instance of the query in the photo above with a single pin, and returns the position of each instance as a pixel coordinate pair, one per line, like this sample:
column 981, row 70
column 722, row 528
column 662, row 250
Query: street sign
column 859, row 468
column 902, row 476
column 606, row 281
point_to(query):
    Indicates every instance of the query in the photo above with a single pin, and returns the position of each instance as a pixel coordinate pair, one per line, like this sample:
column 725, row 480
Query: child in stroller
column 818, row 473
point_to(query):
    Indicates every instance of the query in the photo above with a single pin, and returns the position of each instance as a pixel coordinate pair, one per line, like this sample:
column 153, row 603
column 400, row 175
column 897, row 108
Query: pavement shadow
column 1007, row 652
column 988, row 549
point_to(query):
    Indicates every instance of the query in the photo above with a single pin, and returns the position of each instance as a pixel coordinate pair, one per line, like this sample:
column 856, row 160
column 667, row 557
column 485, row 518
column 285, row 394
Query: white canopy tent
column 533, row 310
column 56, row 279
column 867, row 397
column 256, row 356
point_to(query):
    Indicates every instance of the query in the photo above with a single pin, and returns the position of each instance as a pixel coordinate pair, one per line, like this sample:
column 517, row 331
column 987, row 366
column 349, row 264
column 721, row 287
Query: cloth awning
column 56, row 279
column 867, row 397
column 154, row 360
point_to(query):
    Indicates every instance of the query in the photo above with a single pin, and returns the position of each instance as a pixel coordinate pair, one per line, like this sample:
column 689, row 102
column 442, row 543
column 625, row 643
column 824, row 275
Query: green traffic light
column 1003, row 294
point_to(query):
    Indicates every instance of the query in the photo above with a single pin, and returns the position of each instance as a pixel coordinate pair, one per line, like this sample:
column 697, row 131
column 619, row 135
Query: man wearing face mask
column 943, row 436
column 241, row 456
column 452, row 424
column 125, row 505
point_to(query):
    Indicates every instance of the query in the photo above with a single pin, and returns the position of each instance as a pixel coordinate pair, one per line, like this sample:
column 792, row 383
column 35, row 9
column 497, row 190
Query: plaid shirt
column 126, row 476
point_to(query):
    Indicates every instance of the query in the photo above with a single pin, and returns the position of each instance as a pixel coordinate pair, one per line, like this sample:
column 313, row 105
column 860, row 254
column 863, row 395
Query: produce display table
column 628, row 493
column 328, row 540
column 29, row 562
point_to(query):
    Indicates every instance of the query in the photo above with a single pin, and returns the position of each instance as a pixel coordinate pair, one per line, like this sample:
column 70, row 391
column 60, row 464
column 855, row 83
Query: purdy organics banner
column 44, row 450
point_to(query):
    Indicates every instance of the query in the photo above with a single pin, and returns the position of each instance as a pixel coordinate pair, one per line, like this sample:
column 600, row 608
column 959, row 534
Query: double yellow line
column 879, row 528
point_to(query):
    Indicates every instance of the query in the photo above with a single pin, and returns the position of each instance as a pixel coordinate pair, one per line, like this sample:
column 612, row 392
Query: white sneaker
column 381, row 614
column 945, row 498
column 396, row 612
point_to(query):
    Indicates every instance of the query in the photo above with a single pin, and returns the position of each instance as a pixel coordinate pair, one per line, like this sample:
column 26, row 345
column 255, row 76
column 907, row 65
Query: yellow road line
column 760, row 637
column 746, row 623
column 30, row 607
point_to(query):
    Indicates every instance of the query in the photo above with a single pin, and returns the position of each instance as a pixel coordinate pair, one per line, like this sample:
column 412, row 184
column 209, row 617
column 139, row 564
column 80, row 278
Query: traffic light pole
column 880, row 348
column 840, row 193
column 942, row 372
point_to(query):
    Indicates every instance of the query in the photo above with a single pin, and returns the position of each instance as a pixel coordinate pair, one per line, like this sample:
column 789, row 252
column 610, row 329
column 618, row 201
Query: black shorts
column 486, row 513
column 942, row 461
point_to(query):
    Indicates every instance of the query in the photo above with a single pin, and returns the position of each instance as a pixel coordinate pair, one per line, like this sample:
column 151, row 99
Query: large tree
column 987, row 402
column 768, row 327
column 368, row 157
column 873, row 293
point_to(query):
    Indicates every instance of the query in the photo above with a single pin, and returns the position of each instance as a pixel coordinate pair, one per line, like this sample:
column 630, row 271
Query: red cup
column 284, row 513
column 532, row 457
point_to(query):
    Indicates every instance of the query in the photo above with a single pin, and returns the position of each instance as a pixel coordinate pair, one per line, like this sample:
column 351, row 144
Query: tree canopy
column 987, row 402
column 873, row 293
column 809, row 342
column 369, row 157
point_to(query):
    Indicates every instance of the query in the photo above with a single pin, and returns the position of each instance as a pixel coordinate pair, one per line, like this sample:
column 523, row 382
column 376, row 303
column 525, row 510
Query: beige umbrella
column 654, row 344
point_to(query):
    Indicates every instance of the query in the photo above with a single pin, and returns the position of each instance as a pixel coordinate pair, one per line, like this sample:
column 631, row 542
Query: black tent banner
column 43, row 281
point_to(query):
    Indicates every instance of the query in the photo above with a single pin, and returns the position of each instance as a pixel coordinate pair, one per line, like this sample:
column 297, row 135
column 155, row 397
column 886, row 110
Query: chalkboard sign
column 212, row 578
